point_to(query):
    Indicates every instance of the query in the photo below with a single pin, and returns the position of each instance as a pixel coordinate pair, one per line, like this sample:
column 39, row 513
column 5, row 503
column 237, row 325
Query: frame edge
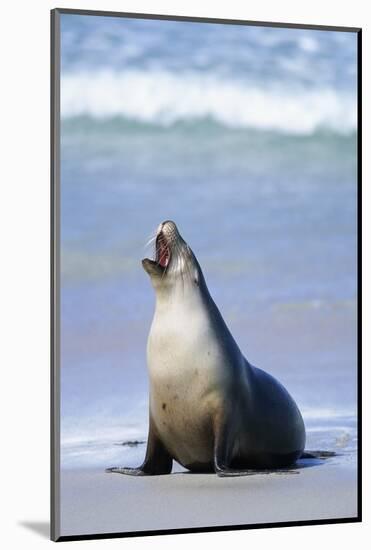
column 198, row 19
column 54, row 276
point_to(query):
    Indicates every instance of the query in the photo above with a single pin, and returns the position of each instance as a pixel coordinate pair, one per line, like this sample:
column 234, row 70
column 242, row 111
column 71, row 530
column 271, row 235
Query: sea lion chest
column 185, row 381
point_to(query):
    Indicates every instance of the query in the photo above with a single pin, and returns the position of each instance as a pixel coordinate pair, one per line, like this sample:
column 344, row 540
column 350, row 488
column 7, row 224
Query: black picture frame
column 55, row 272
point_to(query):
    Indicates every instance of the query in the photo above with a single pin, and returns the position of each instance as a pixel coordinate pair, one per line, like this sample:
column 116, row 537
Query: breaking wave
column 164, row 98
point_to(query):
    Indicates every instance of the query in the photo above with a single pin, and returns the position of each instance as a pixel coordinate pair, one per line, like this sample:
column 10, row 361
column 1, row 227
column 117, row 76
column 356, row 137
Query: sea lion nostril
column 169, row 229
column 169, row 224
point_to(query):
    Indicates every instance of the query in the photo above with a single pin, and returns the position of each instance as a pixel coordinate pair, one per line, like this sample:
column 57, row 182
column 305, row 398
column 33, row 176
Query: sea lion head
column 174, row 264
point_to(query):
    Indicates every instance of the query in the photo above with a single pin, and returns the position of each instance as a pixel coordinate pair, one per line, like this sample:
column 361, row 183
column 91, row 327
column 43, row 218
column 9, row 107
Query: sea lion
column 210, row 409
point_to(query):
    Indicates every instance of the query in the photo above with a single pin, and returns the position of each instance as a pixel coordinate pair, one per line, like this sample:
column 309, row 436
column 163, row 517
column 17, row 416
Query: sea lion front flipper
column 126, row 470
column 157, row 460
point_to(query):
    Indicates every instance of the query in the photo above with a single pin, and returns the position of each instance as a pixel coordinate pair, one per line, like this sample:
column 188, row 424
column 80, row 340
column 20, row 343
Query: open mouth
column 162, row 257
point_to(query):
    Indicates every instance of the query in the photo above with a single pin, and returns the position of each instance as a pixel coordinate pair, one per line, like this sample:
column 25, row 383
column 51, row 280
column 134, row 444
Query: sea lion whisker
column 149, row 244
column 150, row 239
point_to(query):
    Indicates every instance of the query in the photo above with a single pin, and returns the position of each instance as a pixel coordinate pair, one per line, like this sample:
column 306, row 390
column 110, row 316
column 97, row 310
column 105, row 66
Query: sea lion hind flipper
column 317, row 454
column 229, row 472
column 224, row 465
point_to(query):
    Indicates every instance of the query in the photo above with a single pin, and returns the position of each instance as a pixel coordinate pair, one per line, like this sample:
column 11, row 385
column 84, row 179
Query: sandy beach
column 97, row 502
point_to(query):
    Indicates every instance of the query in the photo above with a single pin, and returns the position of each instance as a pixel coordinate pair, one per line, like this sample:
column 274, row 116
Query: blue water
column 246, row 137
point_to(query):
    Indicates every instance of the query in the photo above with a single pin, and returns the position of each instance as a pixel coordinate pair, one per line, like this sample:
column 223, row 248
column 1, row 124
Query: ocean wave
column 164, row 98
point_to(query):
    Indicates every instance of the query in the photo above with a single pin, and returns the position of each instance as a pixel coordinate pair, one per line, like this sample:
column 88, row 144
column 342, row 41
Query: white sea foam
column 160, row 97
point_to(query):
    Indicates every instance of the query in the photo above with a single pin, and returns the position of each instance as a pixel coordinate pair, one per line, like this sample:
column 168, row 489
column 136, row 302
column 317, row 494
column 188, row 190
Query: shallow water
column 247, row 139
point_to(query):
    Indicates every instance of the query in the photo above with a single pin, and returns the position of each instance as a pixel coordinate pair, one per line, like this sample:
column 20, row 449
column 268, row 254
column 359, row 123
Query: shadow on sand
column 42, row 528
column 310, row 459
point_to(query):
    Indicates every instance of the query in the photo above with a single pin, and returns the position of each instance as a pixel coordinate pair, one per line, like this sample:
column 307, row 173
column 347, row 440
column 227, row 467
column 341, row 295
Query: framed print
column 206, row 370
